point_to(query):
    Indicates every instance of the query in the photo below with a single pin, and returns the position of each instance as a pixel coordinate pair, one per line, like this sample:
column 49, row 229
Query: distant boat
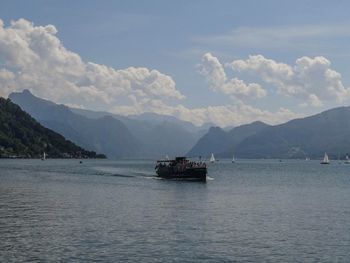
column 44, row 157
column 307, row 159
column 325, row 159
column 212, row 158
column 347, row 160
column 233, row 159
column 166, row 157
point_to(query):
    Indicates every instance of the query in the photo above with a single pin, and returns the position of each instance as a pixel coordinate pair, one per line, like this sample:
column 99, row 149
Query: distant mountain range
column 151, row 135
column 328, row 132
column 22, row 136
column 142, row 136
column 158, row 135
column 105, row 134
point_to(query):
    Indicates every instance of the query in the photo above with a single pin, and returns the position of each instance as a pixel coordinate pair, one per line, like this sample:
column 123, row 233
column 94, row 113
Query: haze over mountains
column 145, row 136
column 158, row 134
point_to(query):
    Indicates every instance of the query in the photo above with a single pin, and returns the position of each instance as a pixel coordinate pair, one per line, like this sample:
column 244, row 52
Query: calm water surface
column 114, row 211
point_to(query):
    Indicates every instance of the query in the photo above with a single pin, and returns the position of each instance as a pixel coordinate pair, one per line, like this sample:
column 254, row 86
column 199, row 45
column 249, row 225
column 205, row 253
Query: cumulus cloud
column 310, row 80
column 211, row 68
column 235, row 114
column 35, row 58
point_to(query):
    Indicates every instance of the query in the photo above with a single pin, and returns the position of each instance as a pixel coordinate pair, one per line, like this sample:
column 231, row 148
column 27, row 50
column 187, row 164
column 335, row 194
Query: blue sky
column 173, row 36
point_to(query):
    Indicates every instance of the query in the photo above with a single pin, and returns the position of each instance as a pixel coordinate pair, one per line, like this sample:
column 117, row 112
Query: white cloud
column 228, row 115
column 276, row 37
column 214, row 72
column 6, row 82
column 34, row 58
column 310, row 80
column 224, row 115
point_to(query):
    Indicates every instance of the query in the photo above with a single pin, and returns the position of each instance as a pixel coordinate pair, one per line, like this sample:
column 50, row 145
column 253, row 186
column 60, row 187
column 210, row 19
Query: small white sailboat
column 44, row 157
column 325, row 159
column 166, row 157
column 212, row 158
column 233, row 159
column 347, row 160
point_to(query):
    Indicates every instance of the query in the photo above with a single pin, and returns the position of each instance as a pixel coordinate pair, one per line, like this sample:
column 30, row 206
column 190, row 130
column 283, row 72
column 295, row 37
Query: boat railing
column 181, row 166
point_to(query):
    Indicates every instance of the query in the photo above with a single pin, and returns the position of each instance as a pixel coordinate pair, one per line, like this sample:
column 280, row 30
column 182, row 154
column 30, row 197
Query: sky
column 224, row 62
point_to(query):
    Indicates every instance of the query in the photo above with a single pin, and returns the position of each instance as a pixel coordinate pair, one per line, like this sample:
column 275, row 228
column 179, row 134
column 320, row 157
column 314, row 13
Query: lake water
column 114, row 211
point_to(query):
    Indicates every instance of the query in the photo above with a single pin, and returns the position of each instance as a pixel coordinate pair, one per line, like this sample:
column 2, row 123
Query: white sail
column 347, row 161
column 166, row 157
column 233, row 159
column 325, row 159
column 44, row 156
column 212, row 158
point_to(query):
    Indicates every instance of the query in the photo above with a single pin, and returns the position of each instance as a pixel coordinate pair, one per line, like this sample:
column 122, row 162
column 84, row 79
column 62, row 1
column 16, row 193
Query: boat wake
column 129, row 173
column 120, row 172
column 153, row 177
column 120, row 175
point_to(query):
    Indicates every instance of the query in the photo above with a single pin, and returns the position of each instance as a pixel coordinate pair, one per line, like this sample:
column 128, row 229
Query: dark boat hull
column 190, row 174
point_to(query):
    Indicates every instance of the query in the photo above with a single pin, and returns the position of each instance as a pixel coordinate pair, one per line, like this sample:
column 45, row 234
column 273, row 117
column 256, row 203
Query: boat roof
column 177, row 159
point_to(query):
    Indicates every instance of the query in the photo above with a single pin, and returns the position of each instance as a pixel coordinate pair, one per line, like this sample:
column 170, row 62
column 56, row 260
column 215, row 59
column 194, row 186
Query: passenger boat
column 181, row 169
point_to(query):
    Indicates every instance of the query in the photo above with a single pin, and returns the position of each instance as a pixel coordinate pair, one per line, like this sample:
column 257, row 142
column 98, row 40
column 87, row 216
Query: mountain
column 212, row 142
column 145, row 136
column 239, row 134
column 22, row 136
column 150, row 119
column 328, row 132
column 158, row 134
column 106, row 134
column 223, row 143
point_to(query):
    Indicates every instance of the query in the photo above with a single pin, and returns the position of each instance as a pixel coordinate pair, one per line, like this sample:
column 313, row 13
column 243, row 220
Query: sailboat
column 212, row 158
column 44, row 157
column 166, row 157
column 233, row 159
column 325, row 159
column 347, row 161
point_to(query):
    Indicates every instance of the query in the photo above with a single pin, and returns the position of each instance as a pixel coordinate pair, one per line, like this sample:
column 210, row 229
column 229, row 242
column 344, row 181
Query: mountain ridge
column 221, row 142
column 310, row 136
column 108, row 135
column 22, row 136
column 142, row 138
